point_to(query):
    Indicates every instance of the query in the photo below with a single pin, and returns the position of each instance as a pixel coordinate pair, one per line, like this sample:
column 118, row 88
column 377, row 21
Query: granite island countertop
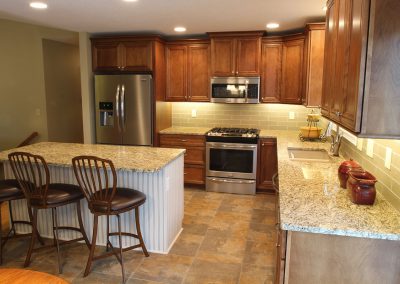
column 311, row 199
column 132, row 158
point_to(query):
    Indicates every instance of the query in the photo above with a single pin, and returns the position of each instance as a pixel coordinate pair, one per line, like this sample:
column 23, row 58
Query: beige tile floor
column 226, row 239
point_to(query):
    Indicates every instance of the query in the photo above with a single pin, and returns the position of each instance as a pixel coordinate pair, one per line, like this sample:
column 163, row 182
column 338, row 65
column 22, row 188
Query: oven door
column 231, row 160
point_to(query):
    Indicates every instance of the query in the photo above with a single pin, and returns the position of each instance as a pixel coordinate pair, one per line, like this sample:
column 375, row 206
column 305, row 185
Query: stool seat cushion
column 124, row 198
column 9, row 189
column 58, row 194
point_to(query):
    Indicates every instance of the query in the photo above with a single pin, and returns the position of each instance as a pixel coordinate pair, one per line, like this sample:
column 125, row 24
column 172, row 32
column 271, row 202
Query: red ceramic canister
column 361, row 187
column 344, row 168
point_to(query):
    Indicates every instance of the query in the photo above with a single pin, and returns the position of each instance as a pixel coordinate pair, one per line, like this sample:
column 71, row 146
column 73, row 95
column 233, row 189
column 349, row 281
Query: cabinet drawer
column 195, row 155
column 194, row 174
column 182, row 140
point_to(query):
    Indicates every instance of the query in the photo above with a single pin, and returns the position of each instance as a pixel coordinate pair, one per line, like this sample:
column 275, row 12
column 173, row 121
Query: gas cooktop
column 233, row 135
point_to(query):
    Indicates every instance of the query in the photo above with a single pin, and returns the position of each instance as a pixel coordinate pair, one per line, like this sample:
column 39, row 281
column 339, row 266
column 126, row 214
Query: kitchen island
column 157, row 172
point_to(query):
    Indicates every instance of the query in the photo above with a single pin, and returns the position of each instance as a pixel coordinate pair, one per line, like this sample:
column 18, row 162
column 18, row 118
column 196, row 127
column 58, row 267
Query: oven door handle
column 232, row 181
column 220, row 146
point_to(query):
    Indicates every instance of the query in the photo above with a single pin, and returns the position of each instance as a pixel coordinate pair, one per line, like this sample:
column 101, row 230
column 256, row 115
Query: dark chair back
column 32, row 174
column 97, row 179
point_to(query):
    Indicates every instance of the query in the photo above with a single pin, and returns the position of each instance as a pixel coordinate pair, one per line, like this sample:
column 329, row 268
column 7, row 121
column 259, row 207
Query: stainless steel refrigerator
column 124, row 109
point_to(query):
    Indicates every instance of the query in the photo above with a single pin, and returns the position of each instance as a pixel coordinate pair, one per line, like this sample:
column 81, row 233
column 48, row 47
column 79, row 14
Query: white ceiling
column 161, row 16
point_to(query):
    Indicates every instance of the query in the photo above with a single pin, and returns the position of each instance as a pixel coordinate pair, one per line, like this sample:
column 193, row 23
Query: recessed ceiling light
column 130, row 0
column 180, row 29
column 272, row 25
column 38, row 5
column 324, row 8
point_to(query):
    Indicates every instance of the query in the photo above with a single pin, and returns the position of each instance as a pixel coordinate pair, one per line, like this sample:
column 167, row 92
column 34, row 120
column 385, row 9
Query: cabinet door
column 248, row 54
column 314, row 65
column 292, row 71
column 137, row 56
column 194, row 174
column 105, row 56
column 176, row 57
column 199, row 72
column 271, row 70
column 222, row 57
column 268, row 163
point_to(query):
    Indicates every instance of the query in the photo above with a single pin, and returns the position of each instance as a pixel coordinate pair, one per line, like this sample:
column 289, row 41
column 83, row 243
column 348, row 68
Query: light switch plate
column 360, row 142
column 370, row 148
column 38, row 112
column 194, row 113
column 388, row 157
column 291, row 115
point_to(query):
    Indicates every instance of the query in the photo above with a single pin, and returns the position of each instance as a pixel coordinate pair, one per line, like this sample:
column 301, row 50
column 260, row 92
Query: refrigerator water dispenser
column 106, row 110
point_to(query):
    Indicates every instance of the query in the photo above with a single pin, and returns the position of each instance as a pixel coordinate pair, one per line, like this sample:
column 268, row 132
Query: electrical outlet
column 388, row 157
column 291, row 115
column 194, row 113
column 360, row 142
column 370, row 148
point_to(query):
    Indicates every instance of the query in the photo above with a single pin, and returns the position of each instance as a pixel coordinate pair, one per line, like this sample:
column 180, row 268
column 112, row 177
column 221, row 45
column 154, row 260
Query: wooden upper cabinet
column 248, row 54
column 292, row 70
column 188, row 71
column 223, row 57
column 106, row 55
column 137, row 56
column 176, row 57
column 271, row 70
column 199, row 72
column 235, row 54
column 314, row 64
column 122, row 54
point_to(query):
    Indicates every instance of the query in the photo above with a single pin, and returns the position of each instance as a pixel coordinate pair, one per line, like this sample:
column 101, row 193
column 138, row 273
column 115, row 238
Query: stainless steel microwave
column 239, row 90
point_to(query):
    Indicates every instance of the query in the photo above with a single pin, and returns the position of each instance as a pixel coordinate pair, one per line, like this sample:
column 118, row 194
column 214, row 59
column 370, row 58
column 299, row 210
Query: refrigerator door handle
column 117, row 109
column 123, row 107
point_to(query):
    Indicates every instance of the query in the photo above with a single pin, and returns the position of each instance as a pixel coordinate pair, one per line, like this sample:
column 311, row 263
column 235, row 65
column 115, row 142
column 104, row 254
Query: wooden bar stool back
column 98, row 181
column 33, row 175
column 9, row 191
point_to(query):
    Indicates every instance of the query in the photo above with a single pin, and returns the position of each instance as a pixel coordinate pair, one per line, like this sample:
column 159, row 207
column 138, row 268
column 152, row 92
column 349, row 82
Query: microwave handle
column 246, row 91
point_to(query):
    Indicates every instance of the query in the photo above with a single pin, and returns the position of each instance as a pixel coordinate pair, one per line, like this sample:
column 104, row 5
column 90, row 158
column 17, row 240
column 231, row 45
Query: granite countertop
column 311, row 199
column 186, row 130
column 132, row 158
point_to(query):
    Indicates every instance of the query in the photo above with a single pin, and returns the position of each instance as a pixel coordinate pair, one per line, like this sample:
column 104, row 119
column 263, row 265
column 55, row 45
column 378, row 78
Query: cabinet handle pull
column 185, row 173
column 338, row 113
column 278, row 245
column 183, row 140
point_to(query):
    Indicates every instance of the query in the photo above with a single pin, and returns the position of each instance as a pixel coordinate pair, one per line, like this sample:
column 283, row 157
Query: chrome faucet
column 335, row 144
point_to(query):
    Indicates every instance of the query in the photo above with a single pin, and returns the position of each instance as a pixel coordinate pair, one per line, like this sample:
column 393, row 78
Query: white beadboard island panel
column 160, row 217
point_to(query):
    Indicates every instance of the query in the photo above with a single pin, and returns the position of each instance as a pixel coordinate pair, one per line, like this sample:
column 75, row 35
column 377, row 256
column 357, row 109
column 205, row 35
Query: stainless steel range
column 231, row 160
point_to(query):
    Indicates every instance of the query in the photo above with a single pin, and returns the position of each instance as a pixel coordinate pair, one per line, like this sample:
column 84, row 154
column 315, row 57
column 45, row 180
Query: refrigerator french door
column 124, row 109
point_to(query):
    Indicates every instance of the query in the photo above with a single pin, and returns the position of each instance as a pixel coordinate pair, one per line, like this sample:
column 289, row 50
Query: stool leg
column 55, row 234
column 120, row 247
column 33, row 237
column 139, row 232
column 92, row 247
column 82, row 229
column 30, row 219
column 108, row 233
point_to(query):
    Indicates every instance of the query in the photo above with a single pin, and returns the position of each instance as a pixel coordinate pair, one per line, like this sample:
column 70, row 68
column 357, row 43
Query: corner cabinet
column 235, row 54
column 122, row 55
column 188, row 72
column 313, row 64
column 361, row 70
column 282, row 69
column 267, row 163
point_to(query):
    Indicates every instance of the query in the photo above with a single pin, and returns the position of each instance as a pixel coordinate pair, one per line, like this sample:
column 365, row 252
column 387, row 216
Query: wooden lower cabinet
column 194, row 172
column 267, row 163
column 319, row 258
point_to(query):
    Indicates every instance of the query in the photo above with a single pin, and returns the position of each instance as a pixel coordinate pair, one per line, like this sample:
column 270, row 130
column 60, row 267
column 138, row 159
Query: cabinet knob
column 237, row 72
column 338, row 113
column 233, row 72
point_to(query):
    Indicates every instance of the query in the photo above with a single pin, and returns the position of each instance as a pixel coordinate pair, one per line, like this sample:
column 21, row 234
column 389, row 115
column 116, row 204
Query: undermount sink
column 308, row 154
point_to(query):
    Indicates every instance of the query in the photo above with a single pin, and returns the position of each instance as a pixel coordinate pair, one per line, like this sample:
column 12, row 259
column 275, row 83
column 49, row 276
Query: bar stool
column 98, row 181
column 33, row 175
column 10, row 190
